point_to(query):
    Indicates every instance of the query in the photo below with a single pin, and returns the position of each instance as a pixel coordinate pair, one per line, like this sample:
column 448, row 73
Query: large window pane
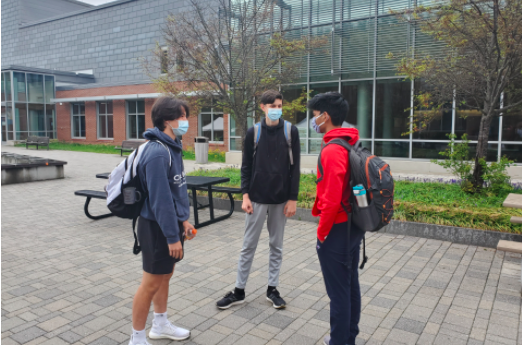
column 512, row 126
column 359, row 96
column 391, row 117
column 19, row 86
column 21, row 117
column 3, row 87
column 133, row 131
column 102, row 126
column 105, row 120
column 37, row 119
column 218, row 127
column 206, row 126
column 291, row 93
column 78, row 120
column 392, row 149
column 110, row 126
column 135, row 119
column 392, row 37
column 49, row 88
column 9, row 119
column 35, row 88
column 82, row 124
column 76, row 126
column 236, row 144
column 431, row 124
column 317, row 89
column 50, row 121
column 467, row 120
column 491, row 155
column 314, row 146
column 512, row 152
column 428, row 150
column 7, row 77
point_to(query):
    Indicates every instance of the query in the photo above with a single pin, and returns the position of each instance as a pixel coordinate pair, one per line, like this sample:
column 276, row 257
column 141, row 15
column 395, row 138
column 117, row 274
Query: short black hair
column 270, row 96
column 333, row 103
column 167, row 109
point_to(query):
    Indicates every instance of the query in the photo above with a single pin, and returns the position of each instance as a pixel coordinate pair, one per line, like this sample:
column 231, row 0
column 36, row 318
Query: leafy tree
column 479, row 65
column 228, row 53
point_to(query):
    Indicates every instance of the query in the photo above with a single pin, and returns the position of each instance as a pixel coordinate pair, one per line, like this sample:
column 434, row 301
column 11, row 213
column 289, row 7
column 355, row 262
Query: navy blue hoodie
column 167, row 202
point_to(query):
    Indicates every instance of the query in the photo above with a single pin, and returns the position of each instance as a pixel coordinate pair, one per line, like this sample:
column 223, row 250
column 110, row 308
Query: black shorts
column 155, row 248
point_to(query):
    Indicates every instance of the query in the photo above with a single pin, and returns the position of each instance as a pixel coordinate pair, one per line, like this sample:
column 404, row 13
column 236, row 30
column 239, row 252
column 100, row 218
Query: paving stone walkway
column 69, row 280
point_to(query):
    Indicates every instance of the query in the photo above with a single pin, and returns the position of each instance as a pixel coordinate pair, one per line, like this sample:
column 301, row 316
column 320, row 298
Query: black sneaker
column 229, row 300
column 276, row 299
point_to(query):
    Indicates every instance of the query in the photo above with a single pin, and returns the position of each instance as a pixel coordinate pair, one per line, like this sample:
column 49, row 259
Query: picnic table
column 203, row 183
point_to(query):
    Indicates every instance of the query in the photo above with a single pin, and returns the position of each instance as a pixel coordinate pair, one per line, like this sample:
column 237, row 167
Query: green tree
column 229, row 53
column 480, row 66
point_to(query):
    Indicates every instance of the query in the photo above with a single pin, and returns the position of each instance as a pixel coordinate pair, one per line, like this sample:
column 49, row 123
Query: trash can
column 201, row 148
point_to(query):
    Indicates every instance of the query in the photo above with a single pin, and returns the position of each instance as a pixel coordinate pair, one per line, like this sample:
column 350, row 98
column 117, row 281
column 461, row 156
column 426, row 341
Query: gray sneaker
column 326, row 340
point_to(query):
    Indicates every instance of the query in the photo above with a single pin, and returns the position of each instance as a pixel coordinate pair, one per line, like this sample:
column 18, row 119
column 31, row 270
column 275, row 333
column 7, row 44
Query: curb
column 473, row 237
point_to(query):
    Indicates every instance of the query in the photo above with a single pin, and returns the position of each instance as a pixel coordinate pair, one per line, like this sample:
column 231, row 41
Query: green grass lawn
column 213, row 156
column 433, row 203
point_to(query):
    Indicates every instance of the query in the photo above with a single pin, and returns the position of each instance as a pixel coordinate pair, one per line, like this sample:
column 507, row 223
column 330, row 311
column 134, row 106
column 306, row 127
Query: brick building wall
column 63, row 116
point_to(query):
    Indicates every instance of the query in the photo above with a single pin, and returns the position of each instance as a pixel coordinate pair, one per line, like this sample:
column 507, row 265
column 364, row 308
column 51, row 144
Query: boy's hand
column 247, row 204
column 290, row 208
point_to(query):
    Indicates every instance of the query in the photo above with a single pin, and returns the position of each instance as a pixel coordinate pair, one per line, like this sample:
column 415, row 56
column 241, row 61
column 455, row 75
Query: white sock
column 138, row 336
column 160, row 318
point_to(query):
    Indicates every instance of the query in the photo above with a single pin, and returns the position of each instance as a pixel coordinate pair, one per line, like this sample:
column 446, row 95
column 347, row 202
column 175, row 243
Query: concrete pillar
column 387, row 118
column 364, row 110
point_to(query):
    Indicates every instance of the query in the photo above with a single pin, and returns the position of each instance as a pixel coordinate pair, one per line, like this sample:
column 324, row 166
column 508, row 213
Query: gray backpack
column 375, row 176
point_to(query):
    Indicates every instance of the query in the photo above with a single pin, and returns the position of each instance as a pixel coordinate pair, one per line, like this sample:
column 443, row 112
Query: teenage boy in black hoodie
column 270, row 185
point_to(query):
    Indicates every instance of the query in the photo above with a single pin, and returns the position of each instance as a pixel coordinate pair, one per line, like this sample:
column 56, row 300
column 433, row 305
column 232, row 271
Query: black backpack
column 125, row 177
column 375, row 176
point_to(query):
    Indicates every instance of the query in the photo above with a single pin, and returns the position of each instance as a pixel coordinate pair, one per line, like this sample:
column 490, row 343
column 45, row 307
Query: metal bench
column 38, row 141
column 92, row 194
column 128, row 146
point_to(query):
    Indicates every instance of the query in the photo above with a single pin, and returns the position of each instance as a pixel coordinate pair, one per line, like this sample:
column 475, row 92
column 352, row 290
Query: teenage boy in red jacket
column 338, row 253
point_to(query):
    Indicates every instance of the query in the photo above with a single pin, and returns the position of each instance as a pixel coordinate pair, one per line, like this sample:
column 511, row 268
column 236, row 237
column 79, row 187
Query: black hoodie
column 268, row 178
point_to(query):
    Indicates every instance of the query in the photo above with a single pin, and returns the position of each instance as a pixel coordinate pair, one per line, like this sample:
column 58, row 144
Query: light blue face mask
column 183, row 126
column 275, row 114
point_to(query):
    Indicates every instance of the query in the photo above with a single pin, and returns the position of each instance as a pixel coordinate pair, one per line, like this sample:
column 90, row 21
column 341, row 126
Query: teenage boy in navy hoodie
column 163, row 221
column 338, row 256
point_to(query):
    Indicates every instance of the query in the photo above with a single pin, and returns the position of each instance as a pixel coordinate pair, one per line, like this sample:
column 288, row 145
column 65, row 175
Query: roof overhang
column 59, row 76
column 105, row 98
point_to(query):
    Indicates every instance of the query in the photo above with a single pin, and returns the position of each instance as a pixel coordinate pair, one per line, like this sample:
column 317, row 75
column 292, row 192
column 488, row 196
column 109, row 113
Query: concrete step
column 513, row 200
column 509, row 246
column 516, row 220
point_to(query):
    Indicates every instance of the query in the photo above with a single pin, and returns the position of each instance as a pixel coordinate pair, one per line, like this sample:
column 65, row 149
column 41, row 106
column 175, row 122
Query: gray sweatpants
column 253, row 226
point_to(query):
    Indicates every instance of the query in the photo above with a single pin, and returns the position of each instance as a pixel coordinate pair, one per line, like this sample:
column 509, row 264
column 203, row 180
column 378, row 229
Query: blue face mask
column 316, row 127
column 183, row 126
column 274, row 114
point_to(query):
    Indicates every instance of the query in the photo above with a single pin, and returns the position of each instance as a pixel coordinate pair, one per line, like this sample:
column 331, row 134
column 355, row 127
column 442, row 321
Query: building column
column 387, row 119
column 363, row 110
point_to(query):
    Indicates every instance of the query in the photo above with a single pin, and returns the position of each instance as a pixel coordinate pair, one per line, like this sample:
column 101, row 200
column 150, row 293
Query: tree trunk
column 241, row 127
column 482, row 150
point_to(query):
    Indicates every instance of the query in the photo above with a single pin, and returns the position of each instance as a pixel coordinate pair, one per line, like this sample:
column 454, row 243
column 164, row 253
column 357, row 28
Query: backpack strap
column 336, row 141
column 257, row 135
column 166, row 148
column 288, row 136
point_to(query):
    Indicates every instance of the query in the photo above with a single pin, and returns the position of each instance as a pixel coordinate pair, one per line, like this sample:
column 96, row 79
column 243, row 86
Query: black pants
column 155, row 248
column 339, row 262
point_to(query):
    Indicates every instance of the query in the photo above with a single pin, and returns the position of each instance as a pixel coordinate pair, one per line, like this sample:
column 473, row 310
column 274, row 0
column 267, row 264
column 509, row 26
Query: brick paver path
column 69, row 280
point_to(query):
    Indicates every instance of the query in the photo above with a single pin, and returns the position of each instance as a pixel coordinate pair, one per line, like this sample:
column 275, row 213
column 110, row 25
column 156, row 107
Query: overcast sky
column 96, row 2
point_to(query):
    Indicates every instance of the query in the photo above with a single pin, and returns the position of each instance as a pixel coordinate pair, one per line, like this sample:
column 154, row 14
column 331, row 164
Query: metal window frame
column 80, row 123
column 127, row 121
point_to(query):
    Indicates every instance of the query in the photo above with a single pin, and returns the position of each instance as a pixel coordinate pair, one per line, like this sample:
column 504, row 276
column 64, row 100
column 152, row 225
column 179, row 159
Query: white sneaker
column 168, row 331
column 132, row 342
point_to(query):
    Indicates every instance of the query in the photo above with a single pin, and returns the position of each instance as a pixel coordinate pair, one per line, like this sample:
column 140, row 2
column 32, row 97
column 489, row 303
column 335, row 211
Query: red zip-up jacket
column 335, row 185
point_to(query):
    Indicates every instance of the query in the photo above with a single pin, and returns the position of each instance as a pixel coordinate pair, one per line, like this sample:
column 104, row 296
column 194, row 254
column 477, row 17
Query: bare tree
column 228, row 53
column 480, row 66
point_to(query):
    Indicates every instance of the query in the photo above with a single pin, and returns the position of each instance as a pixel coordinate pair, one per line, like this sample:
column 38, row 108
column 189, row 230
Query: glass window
column 211, row 125
column 3, row 87
column 19, row 86
column 512, row 125
column 49, row 88
column 50, row 121
column 7, row 112
column 355, row 40
column 294, row 116
column 392, row 37
column 35, row 88
column 135, row 119
column 317, row 89
column 359, row 96
column 392, row 148
column 393, row 98
column 21, row 117
column 105, row 126
column 428, row 150
column 7, row 81
column 467, row 121
column 78, row 120
column 491, row 155
column 37, row 120
column 513, row 152
column 432, row 125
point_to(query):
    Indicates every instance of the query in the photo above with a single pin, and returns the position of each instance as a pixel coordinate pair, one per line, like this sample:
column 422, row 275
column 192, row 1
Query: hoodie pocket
column 268, row 188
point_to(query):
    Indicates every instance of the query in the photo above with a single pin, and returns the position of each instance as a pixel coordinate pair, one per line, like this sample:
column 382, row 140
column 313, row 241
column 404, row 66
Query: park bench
column 96, row 195
column 128, row 146
column 38, row 141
